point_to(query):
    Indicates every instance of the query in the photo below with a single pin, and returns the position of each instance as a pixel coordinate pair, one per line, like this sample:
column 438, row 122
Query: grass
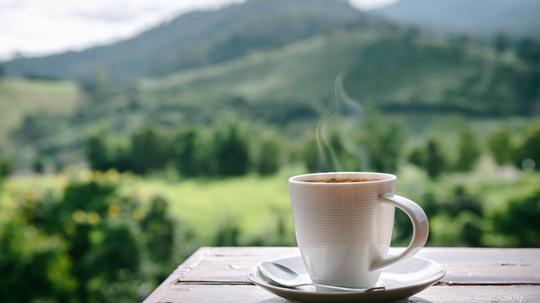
column 250, row 201
column 21, row 97
column 205, row 204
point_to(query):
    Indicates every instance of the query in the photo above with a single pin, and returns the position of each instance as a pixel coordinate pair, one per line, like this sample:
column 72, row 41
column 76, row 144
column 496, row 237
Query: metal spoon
column 283, row 276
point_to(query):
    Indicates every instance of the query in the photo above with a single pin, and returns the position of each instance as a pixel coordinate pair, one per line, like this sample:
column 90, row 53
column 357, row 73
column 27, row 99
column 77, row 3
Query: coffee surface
column 339, row 180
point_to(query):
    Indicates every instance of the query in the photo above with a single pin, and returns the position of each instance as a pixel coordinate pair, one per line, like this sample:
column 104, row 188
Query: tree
column 5, row 169
column 384, row 142
column 430, row 158
column 30, row 256
column 118, row 252
column 501, row 146
column 268, row 158
column 310, row 156
column 501, row 42
column 159, row 230
column 38, row 166
column 528, row 50
column 148, row 151
column 519, row 220
column 184, row 151
column 435, row 160
column 417, row 157
column 462, row 200
column 468, row 151
column 90, row 243
column 231, row 152
column 97, row 152
column 471, row 229
column 529, row 150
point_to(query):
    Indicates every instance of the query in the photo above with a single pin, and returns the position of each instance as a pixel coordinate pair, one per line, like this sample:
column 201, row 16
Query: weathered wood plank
column 219, row 275
column 443, row 294
column 464, row 265
column 171, row 280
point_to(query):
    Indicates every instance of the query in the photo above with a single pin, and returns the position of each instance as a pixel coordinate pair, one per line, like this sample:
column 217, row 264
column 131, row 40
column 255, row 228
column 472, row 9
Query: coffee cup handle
column 420, row 229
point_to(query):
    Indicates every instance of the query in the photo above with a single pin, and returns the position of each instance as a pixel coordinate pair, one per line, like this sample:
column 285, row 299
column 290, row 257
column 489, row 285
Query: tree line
column 222, row 151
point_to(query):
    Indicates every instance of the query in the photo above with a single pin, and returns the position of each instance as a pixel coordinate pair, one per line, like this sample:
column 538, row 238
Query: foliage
column 231, row 152
column 227, row 234
column 148, row 152
column 529, row 148
column 430, row 157
column 455, row 219
column 519, row 220
column 310, row 156
column 501, row 146
column 82, row 245
column 528, row 50
column 5, row 168
column 268, row 158
column 384, row 143
column 184, row 151
column 31, row 257
column 159, row 228
column 468, row 150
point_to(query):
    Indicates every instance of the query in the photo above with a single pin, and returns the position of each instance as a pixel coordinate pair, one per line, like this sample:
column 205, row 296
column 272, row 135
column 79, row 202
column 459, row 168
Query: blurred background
column 134, row 132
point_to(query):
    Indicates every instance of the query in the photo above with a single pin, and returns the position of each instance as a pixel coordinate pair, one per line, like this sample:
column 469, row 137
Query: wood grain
column 473, row 275
column 435, row 294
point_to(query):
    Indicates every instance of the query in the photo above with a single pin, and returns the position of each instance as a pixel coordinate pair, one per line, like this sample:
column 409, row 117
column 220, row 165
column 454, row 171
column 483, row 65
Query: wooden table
column 473, row 275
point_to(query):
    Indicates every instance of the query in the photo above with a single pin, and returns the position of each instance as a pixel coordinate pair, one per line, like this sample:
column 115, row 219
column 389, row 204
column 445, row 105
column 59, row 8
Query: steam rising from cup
column 341, row 104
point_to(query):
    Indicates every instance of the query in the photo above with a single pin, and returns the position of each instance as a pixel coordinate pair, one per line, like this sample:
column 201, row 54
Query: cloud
column 35, row 27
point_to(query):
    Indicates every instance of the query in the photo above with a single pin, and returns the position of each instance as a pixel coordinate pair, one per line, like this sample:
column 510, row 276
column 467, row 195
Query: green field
column 22, row 97
column 203, row 205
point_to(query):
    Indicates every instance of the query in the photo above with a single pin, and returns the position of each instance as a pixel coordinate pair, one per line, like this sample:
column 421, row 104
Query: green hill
column 396, row 70
column 198, row 39
column 20, row 98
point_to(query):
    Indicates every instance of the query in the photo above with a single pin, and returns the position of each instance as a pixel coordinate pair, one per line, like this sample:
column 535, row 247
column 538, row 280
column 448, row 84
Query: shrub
column 89, row 244
column 231, row 152
column 468, row 151
column 184, row 152
column 530, row 148
column 430, row 158
column 384, row 141
column 501, row 146
column 519, row 220
column 268, row 157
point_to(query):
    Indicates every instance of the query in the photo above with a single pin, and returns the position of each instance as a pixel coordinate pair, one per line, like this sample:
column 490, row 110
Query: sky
column 38, row 27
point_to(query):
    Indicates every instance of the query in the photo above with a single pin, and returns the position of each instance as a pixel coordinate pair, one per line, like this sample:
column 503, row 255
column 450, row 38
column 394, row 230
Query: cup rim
column 384, row 178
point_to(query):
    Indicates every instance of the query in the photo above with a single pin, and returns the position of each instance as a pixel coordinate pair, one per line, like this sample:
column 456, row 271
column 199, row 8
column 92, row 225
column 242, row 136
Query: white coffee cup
column 343, row 230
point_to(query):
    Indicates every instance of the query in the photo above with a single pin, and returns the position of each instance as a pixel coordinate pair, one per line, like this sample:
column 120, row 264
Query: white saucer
column 400, row 280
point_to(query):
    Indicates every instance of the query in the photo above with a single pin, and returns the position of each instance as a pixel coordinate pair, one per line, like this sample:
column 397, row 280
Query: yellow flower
column 93, row 218
column 138, row 214
column 86, row 176
column 111, row 175
column 79, row 216
column 114, row 211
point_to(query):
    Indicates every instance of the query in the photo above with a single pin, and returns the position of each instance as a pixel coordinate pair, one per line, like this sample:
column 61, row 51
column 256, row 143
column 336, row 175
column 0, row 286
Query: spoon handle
column 342, row 288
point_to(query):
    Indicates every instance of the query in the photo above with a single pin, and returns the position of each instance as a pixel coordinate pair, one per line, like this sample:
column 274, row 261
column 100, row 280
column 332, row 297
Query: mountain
column 483, row 17
column 286, row 85
column 397, row 71
column 198, row 39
